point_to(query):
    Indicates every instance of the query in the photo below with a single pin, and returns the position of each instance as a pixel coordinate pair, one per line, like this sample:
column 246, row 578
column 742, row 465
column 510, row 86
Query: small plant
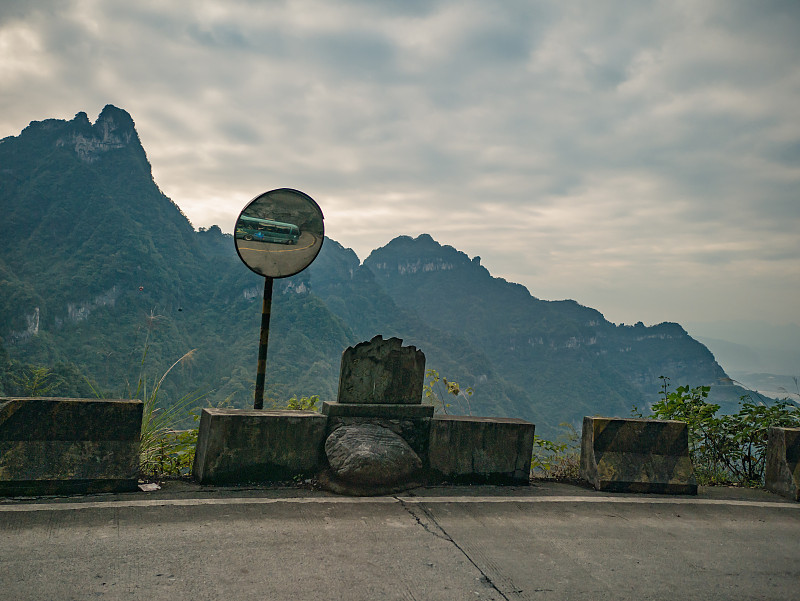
column 304, row 403
column 559, row 460
column 173, row 454
column 164, row 450
column 36, row 381
column 437, row 389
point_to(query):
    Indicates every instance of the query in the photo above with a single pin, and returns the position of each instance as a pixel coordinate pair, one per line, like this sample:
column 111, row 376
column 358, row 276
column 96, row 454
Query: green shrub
column 725, row 449
column 170, row 454
column 306, row 403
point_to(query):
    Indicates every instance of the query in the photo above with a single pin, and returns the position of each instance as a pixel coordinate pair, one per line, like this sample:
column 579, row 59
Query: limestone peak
column 113, row 129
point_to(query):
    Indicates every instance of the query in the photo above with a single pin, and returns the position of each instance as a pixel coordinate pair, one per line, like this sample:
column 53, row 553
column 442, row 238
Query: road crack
column 428, row 522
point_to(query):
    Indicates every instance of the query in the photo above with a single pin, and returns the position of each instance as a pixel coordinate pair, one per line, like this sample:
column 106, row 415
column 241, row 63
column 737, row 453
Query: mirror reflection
column 279, row 233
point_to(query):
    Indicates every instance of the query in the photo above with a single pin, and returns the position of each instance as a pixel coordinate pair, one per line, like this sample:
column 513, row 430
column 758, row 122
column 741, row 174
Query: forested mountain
column 554, row 352
column 97, row 266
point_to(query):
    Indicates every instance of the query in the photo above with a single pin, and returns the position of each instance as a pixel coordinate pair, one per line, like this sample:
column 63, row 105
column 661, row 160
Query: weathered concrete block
column 637, row 455
column 237, row 445
column 466, row 448
column 62, row 446
column 783, row 462
column 382, row 371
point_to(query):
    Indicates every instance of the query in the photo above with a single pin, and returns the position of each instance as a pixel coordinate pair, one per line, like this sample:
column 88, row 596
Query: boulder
column 370, row 455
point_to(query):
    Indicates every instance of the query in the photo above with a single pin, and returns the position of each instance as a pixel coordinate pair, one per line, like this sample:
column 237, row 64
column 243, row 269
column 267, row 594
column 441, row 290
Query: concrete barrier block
column 464, row 448
column 63, row 446
column 637, row 455
column 237, row 445
column 783, row 462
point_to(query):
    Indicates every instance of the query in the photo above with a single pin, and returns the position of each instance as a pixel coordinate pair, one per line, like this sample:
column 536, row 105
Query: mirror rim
column 294, row 191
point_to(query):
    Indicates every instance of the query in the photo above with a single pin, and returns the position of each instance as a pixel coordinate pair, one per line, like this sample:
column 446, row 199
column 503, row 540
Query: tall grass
column 163, row 449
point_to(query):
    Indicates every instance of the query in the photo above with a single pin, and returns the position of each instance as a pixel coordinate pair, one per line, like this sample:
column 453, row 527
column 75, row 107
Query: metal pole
column 266, row 310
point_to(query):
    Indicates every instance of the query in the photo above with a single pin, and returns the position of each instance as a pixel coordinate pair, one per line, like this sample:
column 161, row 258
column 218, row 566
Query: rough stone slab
column 62, row 446
column 783, row 462
column 380, row 410
column 382, row 371
column 637, row 455
column 238, row 445
column 464, row 448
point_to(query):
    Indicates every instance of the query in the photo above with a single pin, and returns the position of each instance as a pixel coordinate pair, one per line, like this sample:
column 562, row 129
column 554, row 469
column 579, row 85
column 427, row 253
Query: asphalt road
column 547, row 541
column 277, row 260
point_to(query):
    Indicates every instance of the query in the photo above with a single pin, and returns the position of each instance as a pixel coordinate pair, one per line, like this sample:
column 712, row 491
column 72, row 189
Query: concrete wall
column 59, row 446
column 237, row 446
column 481, row 448
column 783, row 462
column 637, row 455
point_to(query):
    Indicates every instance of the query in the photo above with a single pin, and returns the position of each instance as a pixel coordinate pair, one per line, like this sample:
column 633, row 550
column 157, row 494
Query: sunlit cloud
column 641, row 159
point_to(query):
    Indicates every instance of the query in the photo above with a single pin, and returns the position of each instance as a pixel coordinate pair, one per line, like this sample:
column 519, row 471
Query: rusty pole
column 266, row 310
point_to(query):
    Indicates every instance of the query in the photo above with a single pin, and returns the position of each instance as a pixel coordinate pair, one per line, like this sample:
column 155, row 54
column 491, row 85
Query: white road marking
column 26, row 507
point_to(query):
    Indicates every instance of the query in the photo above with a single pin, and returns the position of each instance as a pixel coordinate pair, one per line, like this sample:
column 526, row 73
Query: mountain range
column 103, row 275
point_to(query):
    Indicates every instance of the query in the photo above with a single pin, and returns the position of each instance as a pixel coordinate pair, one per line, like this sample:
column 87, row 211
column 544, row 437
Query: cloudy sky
column 641, row 157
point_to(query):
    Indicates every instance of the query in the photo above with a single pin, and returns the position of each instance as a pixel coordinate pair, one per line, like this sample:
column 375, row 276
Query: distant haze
column 642, row 158
column 751, row 347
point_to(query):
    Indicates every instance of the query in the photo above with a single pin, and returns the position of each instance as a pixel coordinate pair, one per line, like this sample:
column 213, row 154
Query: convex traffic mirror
column 279, row 233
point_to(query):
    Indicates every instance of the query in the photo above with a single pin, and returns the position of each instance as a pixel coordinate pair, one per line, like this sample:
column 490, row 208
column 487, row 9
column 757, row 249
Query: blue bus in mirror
column 266, row 230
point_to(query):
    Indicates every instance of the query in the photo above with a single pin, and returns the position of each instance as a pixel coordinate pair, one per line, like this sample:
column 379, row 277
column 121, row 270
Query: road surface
column 548, row 541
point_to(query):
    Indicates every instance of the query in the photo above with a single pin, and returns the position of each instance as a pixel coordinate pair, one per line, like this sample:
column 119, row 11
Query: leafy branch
column 724, row 448
column 559, row 459
column 437, row 389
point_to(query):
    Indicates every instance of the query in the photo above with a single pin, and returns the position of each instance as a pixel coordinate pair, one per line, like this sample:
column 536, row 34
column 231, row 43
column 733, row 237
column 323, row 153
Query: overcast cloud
column 642, row 158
